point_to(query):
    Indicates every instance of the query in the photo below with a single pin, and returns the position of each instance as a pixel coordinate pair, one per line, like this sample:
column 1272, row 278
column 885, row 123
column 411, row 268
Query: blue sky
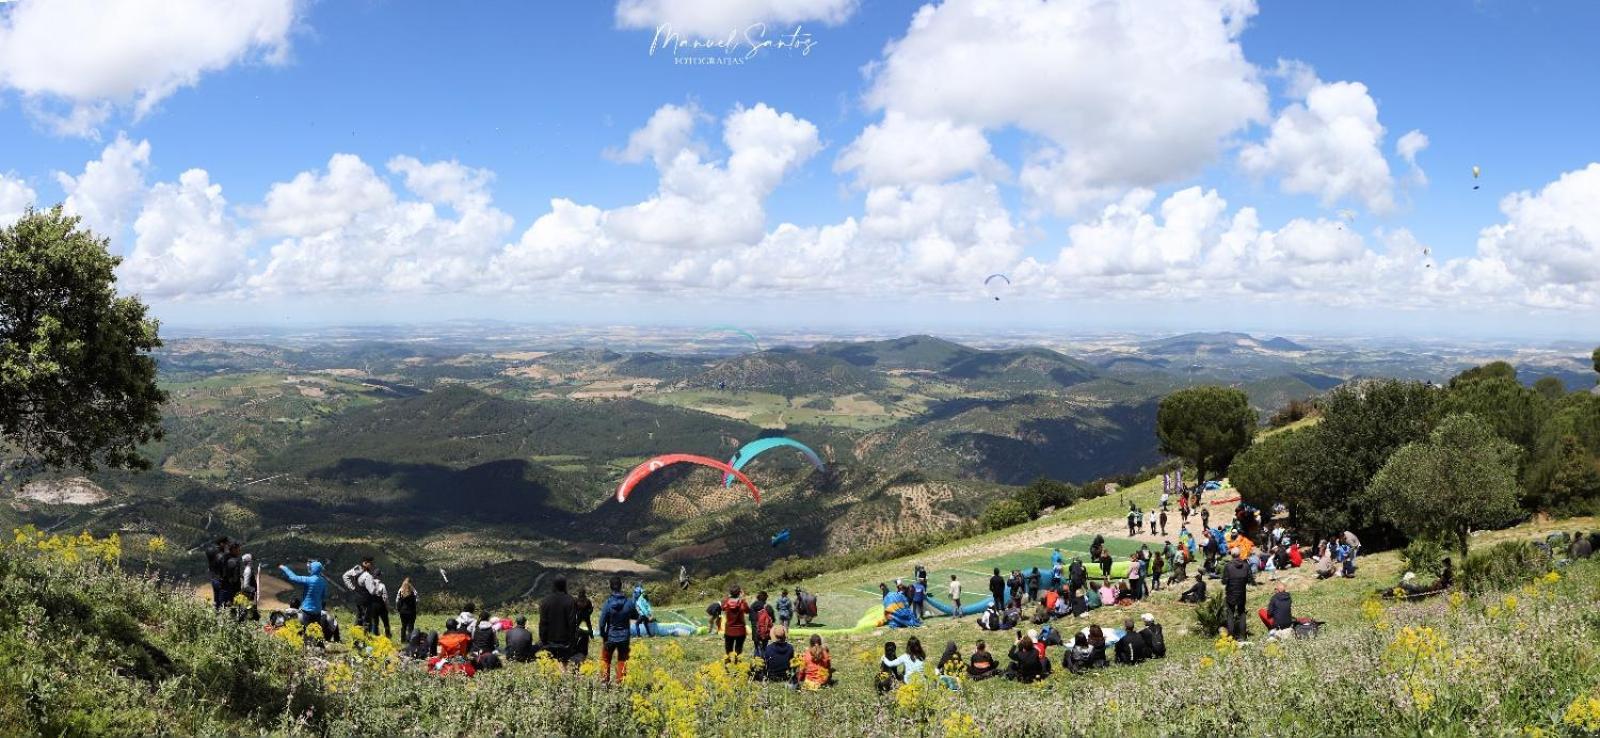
column 534, row 95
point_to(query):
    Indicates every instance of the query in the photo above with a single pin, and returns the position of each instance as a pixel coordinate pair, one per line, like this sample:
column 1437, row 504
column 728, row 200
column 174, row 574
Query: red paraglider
column 649, row 467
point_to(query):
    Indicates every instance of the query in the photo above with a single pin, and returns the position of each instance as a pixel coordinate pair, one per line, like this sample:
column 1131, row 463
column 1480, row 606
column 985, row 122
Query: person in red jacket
column 735, row 612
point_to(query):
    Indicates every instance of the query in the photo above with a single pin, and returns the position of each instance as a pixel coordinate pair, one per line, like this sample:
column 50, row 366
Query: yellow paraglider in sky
column 1475, row 172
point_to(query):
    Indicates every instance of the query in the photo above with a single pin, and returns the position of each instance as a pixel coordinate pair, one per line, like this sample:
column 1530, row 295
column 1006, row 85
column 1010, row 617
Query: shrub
column 1211, row 616
column 1004, row 514
column 1503, row 566
column 1424, row 555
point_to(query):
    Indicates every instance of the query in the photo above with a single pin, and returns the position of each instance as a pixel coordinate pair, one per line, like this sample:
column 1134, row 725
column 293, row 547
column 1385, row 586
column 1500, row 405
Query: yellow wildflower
column 1583, row 713
column 960, row 725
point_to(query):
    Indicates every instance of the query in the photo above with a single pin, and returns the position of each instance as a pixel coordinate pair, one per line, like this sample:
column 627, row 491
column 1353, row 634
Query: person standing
column 558, row 622
column 1163, row 521
column 315, row 591
column 378, row 609
column 216, row 556
column 1235, row 577
column 997, row 588
column 616, row 627
column 735, row 614
column 232, row 573
column 1035, row 581
column 405, row 604
column 1135, row 580
column 1157, row 564
column 955, row 596
column 250, row 585
column 1133, row 520
column 785, row 608
column 355, row 580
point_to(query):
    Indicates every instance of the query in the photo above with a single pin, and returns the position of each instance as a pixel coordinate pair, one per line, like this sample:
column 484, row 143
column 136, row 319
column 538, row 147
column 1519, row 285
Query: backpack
column 1157, row 641
column 764, row 622
column 453, row 643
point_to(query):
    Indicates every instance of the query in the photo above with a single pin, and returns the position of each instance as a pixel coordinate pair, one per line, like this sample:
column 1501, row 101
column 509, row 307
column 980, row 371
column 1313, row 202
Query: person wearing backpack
column 735, row 612
column 405, row 604
column 616, row 617
column 919, row 595
column 785, row 608
column 763, row 626
column 558, row 621
column 1152, row 636
column 216, row 556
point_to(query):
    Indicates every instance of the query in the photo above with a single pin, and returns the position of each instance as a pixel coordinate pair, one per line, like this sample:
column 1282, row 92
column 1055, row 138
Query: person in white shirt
column 955, row 595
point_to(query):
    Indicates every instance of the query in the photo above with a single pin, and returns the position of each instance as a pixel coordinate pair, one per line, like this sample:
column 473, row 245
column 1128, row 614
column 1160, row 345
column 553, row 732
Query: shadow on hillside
column 432, row 496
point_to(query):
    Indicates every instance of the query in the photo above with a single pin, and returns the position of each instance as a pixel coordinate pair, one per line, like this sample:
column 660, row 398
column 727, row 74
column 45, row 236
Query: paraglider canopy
column 738, row 330
column 782, row 536
column 760, row 446
column 991, row 278
column 1475, row 172
column 660, row 462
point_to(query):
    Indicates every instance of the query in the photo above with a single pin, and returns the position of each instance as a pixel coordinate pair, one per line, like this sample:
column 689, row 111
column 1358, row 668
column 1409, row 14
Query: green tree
column 1463, row 477
column 77, row 382
column 1491, row 370
column 1596, row 357
column 1577, row 416
column 1206, row 426
column 1269, row 472
column 1003, row 514
column 1514, row 411
column 1043, row 493
column 1362, row 424
column 1575, row 479
column 1550, row 388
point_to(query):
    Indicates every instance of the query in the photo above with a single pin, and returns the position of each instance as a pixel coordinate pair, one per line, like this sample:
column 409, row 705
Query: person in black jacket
column 519, row 641
column 997, row 588
column 1280, row 609
column 1197, row 593
column 405, row 603
column 1235, row 577
column 1153, row 637
column 232, row 570
column 558, row 621
column 484, row 639
column 1131, row 647
column 776, row 659
column 1077, row 577
column 216, row 556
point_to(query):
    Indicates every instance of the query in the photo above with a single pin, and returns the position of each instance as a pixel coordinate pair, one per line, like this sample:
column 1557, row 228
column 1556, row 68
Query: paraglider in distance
column 755, row 448
column 1348, row 216
column 660, row 462
column 738, row 330
column 1475, row 172
column 994, row 277
column 780, row 538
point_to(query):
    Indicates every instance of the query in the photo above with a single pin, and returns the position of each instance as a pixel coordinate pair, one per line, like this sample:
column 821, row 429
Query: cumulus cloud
column 1190, row 244
column 15, row 197
column 347, row 231
column 1125, row 93
column 109, row 186
column 90, row 55
column 185, row 242
column 1408, row 146
column 1328, row 143
column 901, row 150
column 715, row 18
column 669, row 131
column 1551, row 239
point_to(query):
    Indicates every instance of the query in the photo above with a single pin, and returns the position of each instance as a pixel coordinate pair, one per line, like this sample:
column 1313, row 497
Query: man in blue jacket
column 615, row 626
column 316, row 590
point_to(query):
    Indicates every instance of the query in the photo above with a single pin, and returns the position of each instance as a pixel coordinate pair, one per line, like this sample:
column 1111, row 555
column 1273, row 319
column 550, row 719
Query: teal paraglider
column 762, row 445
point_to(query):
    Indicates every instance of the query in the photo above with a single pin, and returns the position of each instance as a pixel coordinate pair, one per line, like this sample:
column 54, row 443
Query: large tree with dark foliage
column 77, row 382
column 1463, row 477
column 1206, row 426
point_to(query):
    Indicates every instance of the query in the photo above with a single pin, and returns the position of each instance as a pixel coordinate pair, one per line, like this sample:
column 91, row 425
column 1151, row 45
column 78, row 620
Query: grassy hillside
column 122, row 657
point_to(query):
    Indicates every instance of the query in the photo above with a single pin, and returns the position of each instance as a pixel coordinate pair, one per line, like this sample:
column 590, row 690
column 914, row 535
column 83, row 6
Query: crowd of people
column 1033, row 603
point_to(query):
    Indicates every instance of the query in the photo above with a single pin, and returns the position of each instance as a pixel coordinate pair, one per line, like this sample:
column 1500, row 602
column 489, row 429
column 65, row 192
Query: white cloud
column 108, row 186
column 701, row 203
column 716, row 18
column 902, row 150
column 1328, row 144
column 1408, row 146
column 1128, row 93
column 15, row 197
column 1551, row 239
column 90, row 54
column 185, row 243
column 669, row 131
column 349, row 232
